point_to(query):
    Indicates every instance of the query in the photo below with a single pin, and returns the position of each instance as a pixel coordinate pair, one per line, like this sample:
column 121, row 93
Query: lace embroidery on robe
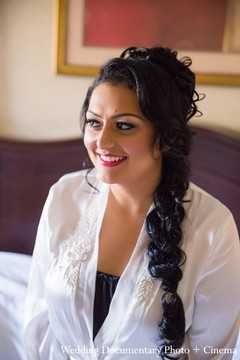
column 77, row 248
column 145, row 287
column 146, row 284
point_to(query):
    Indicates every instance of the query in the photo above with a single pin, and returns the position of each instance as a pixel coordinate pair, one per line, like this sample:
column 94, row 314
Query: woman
column 132, row 261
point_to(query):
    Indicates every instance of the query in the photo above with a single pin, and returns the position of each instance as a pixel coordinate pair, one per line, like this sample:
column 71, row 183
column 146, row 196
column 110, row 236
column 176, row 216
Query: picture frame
column 73, row 58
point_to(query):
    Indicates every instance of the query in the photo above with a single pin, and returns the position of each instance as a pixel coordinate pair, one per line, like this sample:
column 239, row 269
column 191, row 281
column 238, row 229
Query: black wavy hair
column 165, row 88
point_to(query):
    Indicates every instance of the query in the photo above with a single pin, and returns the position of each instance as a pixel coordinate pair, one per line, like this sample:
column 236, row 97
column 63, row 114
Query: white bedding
column 14, row 270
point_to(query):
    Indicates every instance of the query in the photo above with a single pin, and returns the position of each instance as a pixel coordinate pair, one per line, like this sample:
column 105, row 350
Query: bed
column 28, row 169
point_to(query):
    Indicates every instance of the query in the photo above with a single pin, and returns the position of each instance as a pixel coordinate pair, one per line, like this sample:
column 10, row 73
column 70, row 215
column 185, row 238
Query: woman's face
column 119, row 139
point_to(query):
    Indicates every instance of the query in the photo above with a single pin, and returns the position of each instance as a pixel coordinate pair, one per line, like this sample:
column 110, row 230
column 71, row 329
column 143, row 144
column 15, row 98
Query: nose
column 106, row 139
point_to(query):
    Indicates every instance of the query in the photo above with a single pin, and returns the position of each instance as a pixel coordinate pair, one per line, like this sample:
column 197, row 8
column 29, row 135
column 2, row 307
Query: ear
column 166, row 144
column 165, row 148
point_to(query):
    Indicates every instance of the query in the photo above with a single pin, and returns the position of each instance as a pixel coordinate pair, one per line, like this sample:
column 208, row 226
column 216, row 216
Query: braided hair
column 165, row 88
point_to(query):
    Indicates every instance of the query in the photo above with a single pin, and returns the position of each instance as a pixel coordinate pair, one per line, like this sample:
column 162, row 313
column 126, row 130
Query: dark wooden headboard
column 28, row 169
column 216, row 167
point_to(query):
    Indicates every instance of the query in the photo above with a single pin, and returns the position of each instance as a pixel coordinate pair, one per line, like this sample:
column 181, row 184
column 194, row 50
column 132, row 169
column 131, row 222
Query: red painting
column 180, row 24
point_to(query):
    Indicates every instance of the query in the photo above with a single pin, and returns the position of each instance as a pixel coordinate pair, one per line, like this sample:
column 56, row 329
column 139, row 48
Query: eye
column 124, row 125
column 92, row 123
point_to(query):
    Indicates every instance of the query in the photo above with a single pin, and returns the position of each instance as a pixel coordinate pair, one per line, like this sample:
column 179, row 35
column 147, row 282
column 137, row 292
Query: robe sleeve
column 40, row 343
column 216, row 319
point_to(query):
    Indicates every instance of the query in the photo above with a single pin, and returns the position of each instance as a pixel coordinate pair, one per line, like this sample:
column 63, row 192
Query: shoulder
column 207, row 219
column 202, row 204
column 77, row 182
column 73, row 193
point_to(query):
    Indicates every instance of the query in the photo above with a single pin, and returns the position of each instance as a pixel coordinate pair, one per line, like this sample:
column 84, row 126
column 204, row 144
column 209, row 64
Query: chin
column 107, row 178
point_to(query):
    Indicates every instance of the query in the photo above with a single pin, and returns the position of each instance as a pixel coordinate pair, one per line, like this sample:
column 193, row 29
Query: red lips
column 110, row 160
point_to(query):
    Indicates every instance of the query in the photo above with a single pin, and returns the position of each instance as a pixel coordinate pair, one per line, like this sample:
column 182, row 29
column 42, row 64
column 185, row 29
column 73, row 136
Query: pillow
column 14, row 271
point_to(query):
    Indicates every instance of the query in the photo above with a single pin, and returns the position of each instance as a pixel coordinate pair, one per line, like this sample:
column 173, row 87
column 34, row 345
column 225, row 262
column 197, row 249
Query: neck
column 132, row 201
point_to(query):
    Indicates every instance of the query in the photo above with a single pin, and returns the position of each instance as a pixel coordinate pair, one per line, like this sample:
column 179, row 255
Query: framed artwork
column 91, row 31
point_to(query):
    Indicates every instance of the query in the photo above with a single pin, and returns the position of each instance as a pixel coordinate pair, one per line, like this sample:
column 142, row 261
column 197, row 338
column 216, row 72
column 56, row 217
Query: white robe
column 59, row 307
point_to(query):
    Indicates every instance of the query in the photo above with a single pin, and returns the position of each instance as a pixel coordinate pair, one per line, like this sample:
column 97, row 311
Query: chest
column 117, row 239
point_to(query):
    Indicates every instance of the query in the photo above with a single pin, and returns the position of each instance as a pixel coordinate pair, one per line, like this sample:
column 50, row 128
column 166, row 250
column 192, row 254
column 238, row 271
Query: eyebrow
column 117, row 115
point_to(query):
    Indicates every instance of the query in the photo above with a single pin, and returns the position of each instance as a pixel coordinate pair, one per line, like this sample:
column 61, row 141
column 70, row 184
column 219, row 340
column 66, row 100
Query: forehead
column 119, row 96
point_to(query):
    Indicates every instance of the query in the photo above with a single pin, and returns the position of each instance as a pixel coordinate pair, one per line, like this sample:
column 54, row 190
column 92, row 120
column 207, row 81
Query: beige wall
column 36, row 103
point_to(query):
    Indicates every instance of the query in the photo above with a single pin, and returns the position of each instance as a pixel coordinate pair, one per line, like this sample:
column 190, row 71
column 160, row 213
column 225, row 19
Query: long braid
column 163, row 225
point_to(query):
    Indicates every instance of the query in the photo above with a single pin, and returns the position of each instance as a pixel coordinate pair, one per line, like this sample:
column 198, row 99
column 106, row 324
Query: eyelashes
column 93, row 123
column 120, row 125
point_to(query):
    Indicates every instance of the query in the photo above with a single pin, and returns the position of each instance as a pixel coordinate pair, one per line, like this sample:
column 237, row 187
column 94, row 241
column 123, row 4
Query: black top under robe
column 105, row 287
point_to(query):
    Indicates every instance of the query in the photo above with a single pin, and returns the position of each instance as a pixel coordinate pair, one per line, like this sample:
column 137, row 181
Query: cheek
column 146, row 150
column 89, row 142
column 141, row 147
column 89, row 145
